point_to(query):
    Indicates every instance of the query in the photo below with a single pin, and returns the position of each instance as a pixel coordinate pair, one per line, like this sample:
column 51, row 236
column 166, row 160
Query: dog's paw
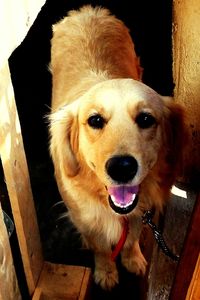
column 106, row 276
column 134, row 261
column 135, row 264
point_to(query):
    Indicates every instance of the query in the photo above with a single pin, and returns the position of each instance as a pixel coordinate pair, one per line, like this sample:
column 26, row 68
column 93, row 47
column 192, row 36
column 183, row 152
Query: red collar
column 122, row 239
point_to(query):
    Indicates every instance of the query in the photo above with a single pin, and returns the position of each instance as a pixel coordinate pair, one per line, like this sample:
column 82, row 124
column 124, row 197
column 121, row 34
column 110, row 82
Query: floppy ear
column 169, row 163
column 174, row 137
column 64, row 139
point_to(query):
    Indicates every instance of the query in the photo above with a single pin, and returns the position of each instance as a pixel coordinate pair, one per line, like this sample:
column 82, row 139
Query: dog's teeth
column 113, row 198
column 114, row 201
column 120, row 204
column 133, row 197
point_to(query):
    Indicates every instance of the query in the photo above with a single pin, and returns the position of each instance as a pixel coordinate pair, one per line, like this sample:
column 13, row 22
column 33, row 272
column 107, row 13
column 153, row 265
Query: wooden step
column 62, row 282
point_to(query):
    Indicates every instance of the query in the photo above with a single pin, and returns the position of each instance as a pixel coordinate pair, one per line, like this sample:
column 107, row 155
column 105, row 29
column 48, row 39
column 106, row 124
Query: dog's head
column 123, row 132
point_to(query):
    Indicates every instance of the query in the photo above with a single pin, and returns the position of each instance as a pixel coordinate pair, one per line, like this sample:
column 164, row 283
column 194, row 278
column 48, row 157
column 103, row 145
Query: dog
column 115, row 143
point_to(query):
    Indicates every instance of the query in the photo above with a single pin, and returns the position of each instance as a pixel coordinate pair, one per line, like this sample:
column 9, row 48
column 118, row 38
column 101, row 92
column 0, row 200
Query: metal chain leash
column 147, row 219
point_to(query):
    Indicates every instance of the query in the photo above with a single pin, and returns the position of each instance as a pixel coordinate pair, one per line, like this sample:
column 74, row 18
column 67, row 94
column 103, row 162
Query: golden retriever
column 115, row 142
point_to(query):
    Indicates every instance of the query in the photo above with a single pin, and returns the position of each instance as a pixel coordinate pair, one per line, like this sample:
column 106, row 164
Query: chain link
column 147, row 219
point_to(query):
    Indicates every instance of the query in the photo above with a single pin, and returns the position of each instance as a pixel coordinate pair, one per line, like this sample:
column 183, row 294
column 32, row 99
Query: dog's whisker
column 62, row 216
column 58, row 203
column 55, row 205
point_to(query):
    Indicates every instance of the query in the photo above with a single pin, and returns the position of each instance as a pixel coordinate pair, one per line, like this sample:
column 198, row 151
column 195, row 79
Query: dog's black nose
column 122, row 169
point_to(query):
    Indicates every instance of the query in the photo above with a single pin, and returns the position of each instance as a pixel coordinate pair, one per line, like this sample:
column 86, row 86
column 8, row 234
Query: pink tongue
column 123, row 195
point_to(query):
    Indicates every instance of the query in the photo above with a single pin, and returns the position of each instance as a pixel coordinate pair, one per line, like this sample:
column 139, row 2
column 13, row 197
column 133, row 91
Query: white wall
column 16, row 18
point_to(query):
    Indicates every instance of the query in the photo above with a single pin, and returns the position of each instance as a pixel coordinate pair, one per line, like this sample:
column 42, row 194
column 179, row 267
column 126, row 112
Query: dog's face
column 117, row 130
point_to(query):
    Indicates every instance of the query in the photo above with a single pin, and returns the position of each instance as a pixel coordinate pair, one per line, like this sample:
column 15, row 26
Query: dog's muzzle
column 123, row 196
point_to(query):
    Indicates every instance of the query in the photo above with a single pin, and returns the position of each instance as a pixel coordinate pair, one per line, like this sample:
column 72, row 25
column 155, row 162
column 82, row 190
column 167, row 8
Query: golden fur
column 95, row 70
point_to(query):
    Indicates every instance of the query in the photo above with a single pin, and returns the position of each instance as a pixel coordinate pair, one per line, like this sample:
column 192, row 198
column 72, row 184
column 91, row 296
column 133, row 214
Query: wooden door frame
column 185, row 278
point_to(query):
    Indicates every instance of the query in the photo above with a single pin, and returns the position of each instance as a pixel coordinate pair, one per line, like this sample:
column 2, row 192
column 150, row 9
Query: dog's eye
column 96, row 121
column 145, row 120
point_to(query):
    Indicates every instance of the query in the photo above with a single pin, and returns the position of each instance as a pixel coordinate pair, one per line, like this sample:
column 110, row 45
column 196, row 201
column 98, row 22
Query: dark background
column 150, row 27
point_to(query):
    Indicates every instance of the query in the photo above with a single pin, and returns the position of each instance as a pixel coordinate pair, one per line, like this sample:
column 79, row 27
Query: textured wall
column 186, row 70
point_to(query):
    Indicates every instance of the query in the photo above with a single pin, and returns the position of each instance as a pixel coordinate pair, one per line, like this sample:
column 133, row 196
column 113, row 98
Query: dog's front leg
column 133, row 259
column 105, row 274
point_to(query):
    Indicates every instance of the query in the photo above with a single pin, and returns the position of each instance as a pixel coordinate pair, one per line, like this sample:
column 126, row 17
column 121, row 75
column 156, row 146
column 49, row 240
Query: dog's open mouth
column 123, row 198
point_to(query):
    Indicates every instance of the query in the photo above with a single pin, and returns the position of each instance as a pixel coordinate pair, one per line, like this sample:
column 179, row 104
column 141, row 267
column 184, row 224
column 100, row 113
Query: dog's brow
column 98, row 109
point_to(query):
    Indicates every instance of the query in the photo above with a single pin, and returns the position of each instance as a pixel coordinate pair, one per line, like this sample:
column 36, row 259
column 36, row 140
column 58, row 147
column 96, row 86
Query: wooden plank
column 147, row 244
column 85, row 286
column 38, row 294
column 18, row 182
column 62, row 282
column 194, row 289
column 189, row 257
column 9, row 289
column 186, row 73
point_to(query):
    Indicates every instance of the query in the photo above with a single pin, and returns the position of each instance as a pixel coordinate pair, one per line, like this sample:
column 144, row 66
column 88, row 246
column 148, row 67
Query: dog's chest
column 102, row 221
